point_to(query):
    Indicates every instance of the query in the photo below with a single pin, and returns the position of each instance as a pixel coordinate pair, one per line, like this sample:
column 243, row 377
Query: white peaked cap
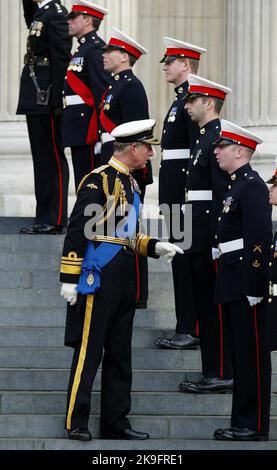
column 204, row 87
column 89, row 8
column 120, row 40
column 233, row 133
column 136, row 131
column 183, row 49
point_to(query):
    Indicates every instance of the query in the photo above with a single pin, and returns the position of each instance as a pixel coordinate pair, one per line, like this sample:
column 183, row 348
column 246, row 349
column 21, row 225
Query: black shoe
column 207, row 385
column 43, row 229
column 179, row 341
column 126, row 434
column 239, row 434
column 79, row 434
column 141, row 304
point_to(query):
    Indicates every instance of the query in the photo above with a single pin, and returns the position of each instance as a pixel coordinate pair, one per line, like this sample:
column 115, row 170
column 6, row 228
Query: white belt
column 175, row 154
column 73, row 99
column 106, row 137
column 233, row 245
column 199, row 196
column 273, row 290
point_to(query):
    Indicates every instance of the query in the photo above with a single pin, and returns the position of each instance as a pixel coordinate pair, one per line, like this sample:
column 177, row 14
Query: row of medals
column 75, row 68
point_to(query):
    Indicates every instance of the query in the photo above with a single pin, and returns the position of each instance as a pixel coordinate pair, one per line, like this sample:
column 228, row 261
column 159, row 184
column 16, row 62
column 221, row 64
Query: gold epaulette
column 96, row 171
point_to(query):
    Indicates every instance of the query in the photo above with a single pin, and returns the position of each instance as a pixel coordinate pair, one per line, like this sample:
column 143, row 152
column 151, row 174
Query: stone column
column 252, row 73
column 251, row 67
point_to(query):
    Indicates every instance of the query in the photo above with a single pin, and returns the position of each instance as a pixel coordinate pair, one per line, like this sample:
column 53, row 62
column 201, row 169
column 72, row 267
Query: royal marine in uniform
column 40, row 99
column 178, row 140
column 272, row 300
column 206, row 185
column 243, row 235
column 123, row 101
column 104, row 270
column 85, row 83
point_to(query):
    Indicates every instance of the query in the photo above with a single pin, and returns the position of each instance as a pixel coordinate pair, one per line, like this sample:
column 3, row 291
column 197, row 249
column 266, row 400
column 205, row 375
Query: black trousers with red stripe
column 107, row 328
column 214, row 341
column 247, row 327
column 51, row 172
column 84, row 161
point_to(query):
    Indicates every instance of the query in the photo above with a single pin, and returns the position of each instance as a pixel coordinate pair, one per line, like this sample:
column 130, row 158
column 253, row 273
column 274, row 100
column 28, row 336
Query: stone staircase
column 34, row 364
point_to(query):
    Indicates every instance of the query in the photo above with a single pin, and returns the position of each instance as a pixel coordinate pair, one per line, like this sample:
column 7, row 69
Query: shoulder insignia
column 257, row 248
column 99, row 169
column 92, row 186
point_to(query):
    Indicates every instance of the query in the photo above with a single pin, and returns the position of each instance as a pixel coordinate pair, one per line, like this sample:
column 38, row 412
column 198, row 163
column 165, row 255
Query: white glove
column 97, row 148
column 215, row 253
column 254, row 300
column 168, row 250
column 69, row 292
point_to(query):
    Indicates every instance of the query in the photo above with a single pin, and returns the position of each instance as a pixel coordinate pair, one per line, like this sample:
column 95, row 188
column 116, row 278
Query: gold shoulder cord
column 96, row 171
column 112, row 199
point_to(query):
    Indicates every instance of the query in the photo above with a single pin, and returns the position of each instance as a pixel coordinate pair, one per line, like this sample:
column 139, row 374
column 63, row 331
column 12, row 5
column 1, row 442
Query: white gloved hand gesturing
column 168, row 250
column 215, row 253
column 254, row 300
column 69, row 292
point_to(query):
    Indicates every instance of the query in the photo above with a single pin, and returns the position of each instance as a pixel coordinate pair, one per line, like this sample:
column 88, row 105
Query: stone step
column 151, row 403
column 56, row 358
column 52, row 298
column 159, row 427
column 57, row 380
column 54, row 337
column 43, row 316
column 50, row 280
column 151, row 444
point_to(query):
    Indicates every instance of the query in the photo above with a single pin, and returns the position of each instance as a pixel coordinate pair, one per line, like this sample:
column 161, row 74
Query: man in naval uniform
column 244, row 235
column 85, row 83
column 40, row 99
column 99, row 279
column 178, row 140
column 206, row 185
column 123, row 101
column 272, row 301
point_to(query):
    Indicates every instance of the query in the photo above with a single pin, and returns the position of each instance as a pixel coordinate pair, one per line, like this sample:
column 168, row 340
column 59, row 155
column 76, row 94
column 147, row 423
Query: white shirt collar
column 42, row 4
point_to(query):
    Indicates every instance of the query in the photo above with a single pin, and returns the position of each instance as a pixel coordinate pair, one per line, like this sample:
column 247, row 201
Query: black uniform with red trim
column 86, row 80
column 273, row 295
column 205, row 177
column 48, row 52
column 179, row 133
column 124, row 100
column 246, row 216
column 103, row 321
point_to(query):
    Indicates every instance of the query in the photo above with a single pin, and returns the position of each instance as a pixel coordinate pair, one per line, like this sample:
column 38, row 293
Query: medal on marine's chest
column 227, row 204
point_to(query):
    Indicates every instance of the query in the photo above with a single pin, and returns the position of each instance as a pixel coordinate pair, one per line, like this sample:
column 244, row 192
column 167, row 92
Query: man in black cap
column 40, row 99
column 101, row 267
column 85, row 83
column 178, row 140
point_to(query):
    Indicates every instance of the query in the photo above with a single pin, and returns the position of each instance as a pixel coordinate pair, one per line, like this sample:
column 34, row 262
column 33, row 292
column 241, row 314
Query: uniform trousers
column 214, row 340
column 51, row 171
column 84, row 161
column 248, row 329
column 172, row 178
column 108, row 322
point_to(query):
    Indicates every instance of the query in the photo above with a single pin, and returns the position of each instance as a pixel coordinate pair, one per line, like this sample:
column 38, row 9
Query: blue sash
column 96, row 258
